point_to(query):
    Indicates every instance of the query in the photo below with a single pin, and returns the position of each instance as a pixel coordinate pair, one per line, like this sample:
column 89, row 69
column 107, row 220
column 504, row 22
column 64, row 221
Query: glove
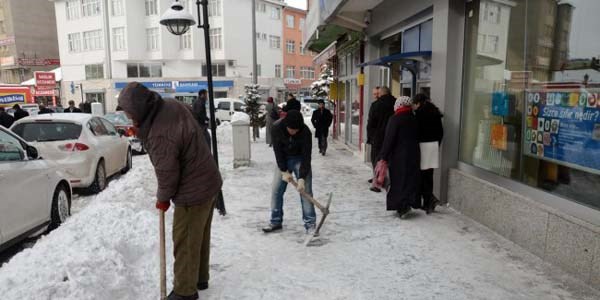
column 301, row 186
column 164, row 206
column 286, row 176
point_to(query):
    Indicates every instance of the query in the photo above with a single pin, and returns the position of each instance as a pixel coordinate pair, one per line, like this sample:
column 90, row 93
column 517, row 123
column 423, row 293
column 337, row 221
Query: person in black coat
column 6, row 120
column 292, row 104
column 292, row 144
column 381, row 111
column 430, row 134
column 199, row 110
column 44, row 110
column 400, row 150
column 72, row 108
column 19, row 112
column 321, row 120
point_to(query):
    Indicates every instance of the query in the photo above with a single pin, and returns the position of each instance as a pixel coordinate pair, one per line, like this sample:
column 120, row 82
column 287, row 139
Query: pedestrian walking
column 321, row 120
column 292, row 144
column 381, row 111
column 430, row 134
column 187, row 175
column 199, row 109
column 72, row 108
column 292, row 104
column 370, row 129
column 272, row 116
column 400, row 150
column 6, row 120
column 19, row 112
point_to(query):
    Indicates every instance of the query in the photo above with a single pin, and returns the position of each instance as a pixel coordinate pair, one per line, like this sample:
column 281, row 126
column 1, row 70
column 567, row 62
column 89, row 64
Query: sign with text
column 39, row 62
column 45, row 80
column 10, row 96
column 563, row 126
column 42, row 93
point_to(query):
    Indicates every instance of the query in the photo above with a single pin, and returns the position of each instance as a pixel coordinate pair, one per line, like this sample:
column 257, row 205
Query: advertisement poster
column 563, row 126
column 10, row 96
column 499, row 136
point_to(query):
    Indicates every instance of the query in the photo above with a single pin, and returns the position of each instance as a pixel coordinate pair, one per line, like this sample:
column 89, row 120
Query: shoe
column 375, row 189
column 271, row 228
column 370, row 180
column 173, row 296
column 201, row 286
column 310, row 230
column 402, row 213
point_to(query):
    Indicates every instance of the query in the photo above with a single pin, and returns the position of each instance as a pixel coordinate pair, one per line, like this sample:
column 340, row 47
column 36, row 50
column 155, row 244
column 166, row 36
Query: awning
column 406, row 57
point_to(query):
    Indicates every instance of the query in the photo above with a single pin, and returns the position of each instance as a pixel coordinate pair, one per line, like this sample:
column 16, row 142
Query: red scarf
column 403, row 109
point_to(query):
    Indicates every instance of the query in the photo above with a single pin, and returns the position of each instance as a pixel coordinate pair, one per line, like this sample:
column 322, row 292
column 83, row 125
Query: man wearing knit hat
column 292, row 144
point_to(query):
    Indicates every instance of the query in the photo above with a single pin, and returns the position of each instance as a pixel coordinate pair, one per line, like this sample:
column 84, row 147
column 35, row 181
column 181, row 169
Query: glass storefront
column 531, row 94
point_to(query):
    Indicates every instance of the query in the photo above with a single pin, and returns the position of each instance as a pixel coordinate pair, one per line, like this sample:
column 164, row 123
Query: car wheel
column 99, row 183
column 61, row 207
column 129, row 163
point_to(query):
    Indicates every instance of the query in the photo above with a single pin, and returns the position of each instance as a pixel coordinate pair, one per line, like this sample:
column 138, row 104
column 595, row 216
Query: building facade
column 28, row 41
column 298, row 69
column 517, row 81
column 104, row 44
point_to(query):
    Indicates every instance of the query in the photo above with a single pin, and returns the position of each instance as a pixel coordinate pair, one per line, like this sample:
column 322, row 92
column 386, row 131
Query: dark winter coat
column 292, row 104
column 401, row 151
column 20, row 114
column 185, row 169
column 199, row 108
column 73, row 110
column 429, row 118
column 6, row 120
column 381, row 111
column 321, row 120
column 45, row 110
column 286, row 146
column 370, row 129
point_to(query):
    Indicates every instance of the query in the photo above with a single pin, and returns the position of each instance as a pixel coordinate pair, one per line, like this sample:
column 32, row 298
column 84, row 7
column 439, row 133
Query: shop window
column 410, row 40
column 144, row 70
column 525, row 117
column 425, row 38
column 218, row 70
column 94, row 71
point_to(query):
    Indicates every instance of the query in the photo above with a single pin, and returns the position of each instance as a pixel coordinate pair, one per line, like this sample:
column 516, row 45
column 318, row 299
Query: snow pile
column 224, row 133
column 240, row 117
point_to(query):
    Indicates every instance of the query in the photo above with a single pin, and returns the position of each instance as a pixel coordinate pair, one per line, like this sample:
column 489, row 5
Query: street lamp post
column 178, row 21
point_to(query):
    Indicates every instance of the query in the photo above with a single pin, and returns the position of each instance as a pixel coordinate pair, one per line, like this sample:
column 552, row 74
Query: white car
column 88, row 148
column 34, row 194
column 226, row 107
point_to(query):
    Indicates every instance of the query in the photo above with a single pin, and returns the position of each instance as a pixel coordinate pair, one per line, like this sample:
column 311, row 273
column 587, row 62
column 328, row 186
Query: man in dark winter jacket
column 321, row 120
column 72, row 108
column 6, row 120
column 19, row 112
column 199, row 109
column 380, row 113
column 292, row 144
column 44, row 110
column 187, row 175
column 292, row 104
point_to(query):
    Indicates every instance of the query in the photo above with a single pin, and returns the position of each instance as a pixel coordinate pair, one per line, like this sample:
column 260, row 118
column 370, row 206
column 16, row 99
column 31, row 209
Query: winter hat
column 402, row 101
column 294, row 119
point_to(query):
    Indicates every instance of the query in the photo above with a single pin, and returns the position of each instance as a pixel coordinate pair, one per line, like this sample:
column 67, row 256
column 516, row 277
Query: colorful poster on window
column 563, row 126
column 499, row 136
column 500, row 104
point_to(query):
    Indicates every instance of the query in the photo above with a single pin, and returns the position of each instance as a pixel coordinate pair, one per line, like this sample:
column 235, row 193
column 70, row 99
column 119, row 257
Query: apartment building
column 299, row 71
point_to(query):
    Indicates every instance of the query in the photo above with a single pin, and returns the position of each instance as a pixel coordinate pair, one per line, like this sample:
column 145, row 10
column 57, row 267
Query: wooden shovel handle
column 312, row 200
column 163, row 262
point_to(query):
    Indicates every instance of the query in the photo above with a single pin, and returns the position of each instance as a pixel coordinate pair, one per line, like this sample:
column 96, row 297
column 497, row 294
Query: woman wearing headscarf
column 400, row 151
column 271, row 112
column 430, row 134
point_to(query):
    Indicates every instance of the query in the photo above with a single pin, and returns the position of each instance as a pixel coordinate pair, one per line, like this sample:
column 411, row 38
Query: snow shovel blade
column 318, row 229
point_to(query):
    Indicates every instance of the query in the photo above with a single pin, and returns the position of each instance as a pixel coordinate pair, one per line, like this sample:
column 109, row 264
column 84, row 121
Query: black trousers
column 426, row 187
column 375, row 155
column 322, row 139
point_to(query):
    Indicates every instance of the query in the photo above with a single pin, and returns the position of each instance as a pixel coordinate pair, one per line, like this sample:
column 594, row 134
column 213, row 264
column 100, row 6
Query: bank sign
column 179, row 86
column 563, row 126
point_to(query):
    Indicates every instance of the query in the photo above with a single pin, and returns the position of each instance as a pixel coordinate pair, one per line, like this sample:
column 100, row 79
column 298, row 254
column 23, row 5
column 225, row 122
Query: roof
column 57, row 73
column 70, row 117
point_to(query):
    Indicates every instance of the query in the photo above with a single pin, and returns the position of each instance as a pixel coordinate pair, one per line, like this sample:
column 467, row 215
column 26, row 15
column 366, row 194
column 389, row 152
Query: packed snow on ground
column 108, row 249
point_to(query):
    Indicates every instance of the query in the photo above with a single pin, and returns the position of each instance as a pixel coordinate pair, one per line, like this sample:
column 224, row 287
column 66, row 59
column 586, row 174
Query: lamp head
column 176, row 19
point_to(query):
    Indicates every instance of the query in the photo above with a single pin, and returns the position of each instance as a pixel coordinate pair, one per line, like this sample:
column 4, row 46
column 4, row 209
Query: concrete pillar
column 241, row 143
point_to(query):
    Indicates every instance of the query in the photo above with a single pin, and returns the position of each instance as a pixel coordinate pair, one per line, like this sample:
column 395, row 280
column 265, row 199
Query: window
column 185, row 40
column 217, row 70
column 275, row 13
column 216, row 39
column 277, row 71
column 10, row 148
column 410, row 40
column 238, row 106
column 290, row 72
column 94, row 71
column 110, row 128
column 224, row 105
column 55, row 131
column 73, row 9
column 90, row 8
column 144, row 70
column 264, row 36
column 119, row 39
column 151, row 8
column 302, row 50
column 517, row 110
column 74, row 42
column 307, row 72
column 117, row 8
column 152, row 39
column 92, row 40
column 97, row 98
column 95, row 125
column 261, row 7
column 290, row 21
column 290, row 45
column 214, row 8
column 275, row 42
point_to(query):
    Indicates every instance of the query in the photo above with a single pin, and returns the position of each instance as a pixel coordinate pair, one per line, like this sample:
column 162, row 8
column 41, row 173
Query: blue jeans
column 279, row 186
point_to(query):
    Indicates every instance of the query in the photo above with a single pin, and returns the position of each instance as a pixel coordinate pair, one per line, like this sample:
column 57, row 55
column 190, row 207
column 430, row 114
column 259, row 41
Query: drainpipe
column 108, row 73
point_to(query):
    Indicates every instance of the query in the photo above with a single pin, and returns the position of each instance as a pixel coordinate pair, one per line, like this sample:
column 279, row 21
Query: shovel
column 163, row 260
column 324, row 210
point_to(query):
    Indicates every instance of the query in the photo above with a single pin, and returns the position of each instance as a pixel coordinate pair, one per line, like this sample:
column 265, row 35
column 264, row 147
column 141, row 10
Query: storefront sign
column 7, row 61
column 292, row 81
column 563, row 126
column 7, row 41
column 37, row 62
column 45, row 80
column 42, row 93
column 179, row 86
column 10, row 96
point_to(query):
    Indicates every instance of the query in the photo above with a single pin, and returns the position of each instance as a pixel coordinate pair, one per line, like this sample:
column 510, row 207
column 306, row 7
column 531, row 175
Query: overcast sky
column 297, row 3
column 585, row 42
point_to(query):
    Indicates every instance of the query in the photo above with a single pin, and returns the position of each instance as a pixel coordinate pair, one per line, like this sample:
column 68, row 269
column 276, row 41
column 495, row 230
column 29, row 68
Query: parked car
column 225, row 107
column 34, row 193
column 88, row 148
column 125, row 127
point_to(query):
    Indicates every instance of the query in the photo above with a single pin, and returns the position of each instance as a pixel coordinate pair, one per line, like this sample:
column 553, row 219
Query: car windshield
column 47, row 131
column 118, row 119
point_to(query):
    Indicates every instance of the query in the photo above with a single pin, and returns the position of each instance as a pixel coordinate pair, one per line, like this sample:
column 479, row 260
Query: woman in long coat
column 401, row 152
column 270, row 108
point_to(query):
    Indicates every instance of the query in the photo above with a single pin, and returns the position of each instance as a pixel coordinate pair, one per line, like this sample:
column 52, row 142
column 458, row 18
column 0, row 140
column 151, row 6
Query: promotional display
column 563, row 126
column 10, row 96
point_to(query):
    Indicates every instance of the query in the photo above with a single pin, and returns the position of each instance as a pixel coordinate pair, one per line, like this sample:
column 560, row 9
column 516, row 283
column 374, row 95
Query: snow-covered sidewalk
column 109, row 248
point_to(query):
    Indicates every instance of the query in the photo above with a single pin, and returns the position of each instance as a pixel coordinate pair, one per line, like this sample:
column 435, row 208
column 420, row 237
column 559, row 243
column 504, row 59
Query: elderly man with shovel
column 187, row 175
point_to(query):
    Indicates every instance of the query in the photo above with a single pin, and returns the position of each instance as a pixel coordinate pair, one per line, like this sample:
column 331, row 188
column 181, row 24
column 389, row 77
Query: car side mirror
column 32, row 153
column 121, row 131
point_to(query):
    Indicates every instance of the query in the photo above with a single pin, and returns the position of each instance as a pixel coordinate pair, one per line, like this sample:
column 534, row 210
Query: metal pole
column 254, row 60
column 107, row 41
column 211, row 101
column 81, row 90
